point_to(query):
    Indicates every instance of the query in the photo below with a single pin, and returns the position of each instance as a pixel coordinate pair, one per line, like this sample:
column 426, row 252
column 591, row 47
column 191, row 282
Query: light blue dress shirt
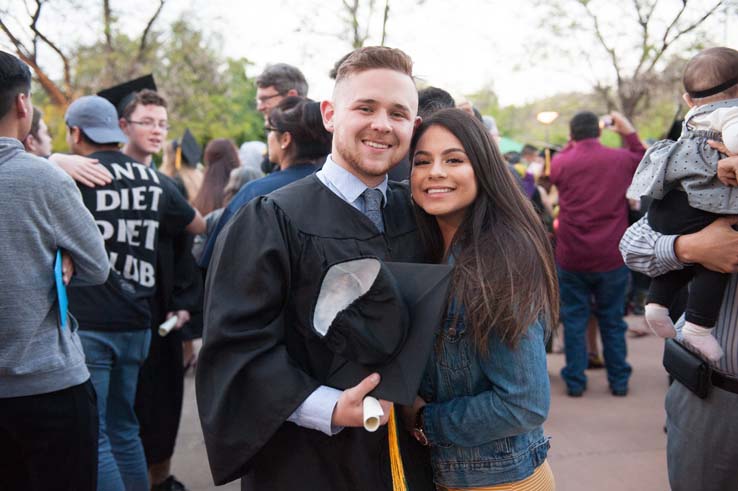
column 317, row 410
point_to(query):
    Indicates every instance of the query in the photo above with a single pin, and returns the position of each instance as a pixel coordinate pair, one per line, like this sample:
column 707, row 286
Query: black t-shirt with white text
column 127, row 212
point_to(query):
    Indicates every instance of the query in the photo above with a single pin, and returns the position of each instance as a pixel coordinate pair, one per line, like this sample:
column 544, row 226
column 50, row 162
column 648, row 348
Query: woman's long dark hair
column 221, row 157
column 504, row 273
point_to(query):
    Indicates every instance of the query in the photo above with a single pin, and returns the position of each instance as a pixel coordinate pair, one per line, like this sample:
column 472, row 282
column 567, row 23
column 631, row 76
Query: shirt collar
column 348, row 184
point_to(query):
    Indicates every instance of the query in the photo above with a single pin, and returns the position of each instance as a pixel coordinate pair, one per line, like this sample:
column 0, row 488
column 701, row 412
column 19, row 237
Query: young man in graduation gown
column 267, row 416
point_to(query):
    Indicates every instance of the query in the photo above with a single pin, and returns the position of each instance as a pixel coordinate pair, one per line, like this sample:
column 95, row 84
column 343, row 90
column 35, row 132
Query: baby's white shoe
column 657, row 318
column 701, row 339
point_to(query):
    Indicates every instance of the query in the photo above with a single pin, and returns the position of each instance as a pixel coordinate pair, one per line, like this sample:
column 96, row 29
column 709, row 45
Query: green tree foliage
column 205, row 92
column 519, row 121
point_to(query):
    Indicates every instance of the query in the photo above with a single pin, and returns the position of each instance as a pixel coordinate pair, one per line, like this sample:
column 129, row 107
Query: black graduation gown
column 179, row 286
column 260, row 360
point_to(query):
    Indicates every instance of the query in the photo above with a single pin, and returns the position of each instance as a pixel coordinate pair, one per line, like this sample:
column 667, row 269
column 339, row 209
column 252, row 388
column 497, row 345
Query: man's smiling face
column 372, row 117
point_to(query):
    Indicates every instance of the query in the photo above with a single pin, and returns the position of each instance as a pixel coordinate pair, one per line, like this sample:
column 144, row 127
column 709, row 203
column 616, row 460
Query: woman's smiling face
column 442, row 179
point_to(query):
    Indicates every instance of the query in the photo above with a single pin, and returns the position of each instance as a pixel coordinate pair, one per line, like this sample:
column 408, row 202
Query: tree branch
column 384, row 22
column 643, row 21
column 601, row 39
column 20, row 48
column 107, row 29
column 147, row 30
column 666, row 42
column 38, row 34
column 57, row 96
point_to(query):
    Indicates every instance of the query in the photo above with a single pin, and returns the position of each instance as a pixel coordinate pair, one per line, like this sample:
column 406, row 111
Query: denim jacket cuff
column 431, row 425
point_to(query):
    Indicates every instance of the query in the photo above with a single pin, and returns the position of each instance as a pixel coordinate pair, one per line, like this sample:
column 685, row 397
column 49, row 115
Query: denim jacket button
column 452, row 331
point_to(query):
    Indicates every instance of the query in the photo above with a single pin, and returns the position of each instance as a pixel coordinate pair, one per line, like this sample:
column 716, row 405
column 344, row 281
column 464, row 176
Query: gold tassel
column 178, row 158
column 398, row 472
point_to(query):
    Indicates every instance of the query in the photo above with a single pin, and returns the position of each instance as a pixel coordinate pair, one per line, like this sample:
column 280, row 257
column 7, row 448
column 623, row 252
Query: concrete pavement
column 599, row 442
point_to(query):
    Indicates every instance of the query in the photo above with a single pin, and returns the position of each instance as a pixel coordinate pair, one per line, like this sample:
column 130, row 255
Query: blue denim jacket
column 484, row 415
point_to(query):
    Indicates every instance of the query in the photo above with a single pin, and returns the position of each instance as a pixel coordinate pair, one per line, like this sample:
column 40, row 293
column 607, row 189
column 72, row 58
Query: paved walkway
column 599, row 442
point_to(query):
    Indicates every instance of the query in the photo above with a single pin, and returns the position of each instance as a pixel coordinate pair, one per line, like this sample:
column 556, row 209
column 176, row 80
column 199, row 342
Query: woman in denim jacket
column 485, row 393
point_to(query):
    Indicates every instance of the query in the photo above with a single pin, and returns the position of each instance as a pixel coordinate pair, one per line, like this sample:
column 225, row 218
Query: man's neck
column 370, row 181
column 143, row 157
column 10, row 129
column 85, row 149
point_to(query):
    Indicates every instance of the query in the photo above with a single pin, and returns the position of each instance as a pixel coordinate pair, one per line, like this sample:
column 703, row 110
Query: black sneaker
column 169, row 484
column 619, row 392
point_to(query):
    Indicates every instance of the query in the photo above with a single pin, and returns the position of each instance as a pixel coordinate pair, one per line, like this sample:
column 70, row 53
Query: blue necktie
column 373, row 207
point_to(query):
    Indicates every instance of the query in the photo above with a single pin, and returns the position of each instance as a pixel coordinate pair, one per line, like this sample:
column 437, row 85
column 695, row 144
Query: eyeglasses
column 262, row 99
column 150, row 124
column 269, row 129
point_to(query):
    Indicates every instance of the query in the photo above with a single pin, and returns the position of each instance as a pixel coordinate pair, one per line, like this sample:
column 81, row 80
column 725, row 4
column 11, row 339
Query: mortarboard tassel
column 398, row 472
column 178, row 158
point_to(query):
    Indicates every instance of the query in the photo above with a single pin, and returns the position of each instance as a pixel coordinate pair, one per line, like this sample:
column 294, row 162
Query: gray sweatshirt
column 41, row 210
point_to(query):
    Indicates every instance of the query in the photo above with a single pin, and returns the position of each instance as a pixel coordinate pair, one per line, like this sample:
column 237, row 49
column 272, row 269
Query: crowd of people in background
column 113, row 267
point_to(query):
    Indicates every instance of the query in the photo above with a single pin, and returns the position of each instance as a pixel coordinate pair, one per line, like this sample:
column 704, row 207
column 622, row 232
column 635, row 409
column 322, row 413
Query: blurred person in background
column 251, row 154
column 592, row 180
column 221, row 157
column 82, row 169
column 297, row 141
column 176, row 164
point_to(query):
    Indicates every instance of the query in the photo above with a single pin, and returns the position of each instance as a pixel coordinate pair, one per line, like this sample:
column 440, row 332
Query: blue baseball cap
column 97, row 117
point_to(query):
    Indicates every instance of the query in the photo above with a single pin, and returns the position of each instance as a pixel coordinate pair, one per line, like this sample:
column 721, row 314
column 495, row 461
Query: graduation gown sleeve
column 247, row 385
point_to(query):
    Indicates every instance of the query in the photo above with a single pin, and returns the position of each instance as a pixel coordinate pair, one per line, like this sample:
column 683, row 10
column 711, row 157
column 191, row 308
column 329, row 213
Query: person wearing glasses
column 277, row 82
column 142, row 113
column 297, row 142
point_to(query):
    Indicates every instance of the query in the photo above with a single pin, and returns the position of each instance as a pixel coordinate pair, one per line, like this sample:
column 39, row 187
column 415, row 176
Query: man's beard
column 353, row 160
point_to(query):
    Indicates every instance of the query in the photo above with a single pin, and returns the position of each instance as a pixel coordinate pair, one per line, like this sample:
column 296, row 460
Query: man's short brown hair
column 375, row 57
column 146, row 97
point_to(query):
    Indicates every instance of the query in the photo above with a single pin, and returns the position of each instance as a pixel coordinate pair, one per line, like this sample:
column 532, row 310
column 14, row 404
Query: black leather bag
column 689, row 369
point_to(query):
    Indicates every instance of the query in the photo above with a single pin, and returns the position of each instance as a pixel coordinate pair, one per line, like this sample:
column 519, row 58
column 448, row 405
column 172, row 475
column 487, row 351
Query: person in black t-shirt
column 114, row 319
column 158, row 405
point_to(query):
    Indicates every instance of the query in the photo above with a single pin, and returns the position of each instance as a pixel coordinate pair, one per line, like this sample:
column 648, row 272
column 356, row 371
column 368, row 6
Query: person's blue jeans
column 608, row 289
column 114, row 360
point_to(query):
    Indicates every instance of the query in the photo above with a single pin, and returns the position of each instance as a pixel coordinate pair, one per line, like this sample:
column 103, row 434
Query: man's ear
column 688, row 100
column 328, row 111
column 291, row 92
column 21, row 106
column 30, row 142
column 123, row 123
column 76, row 135
column 418, row 122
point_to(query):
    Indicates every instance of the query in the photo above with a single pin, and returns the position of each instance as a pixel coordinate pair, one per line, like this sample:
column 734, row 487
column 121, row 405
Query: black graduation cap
column 189, row 150
column 121, row 94
column 380, row 317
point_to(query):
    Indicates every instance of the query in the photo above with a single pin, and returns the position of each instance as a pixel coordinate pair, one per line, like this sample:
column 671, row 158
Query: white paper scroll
column 168, row 325
column 372, row 414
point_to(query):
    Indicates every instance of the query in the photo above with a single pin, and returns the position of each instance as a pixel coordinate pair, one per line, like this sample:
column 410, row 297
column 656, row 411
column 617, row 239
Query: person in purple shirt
column 593, row 215
column 297, row 141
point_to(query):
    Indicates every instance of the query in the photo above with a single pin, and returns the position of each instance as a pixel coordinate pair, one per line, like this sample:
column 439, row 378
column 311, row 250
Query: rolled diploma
column 372, row 413
column 167, row 326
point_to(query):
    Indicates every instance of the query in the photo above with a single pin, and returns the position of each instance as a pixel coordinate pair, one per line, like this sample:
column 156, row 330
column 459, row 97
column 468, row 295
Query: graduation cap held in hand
column 122, row 94
column 188, row 151
column 380, row 317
